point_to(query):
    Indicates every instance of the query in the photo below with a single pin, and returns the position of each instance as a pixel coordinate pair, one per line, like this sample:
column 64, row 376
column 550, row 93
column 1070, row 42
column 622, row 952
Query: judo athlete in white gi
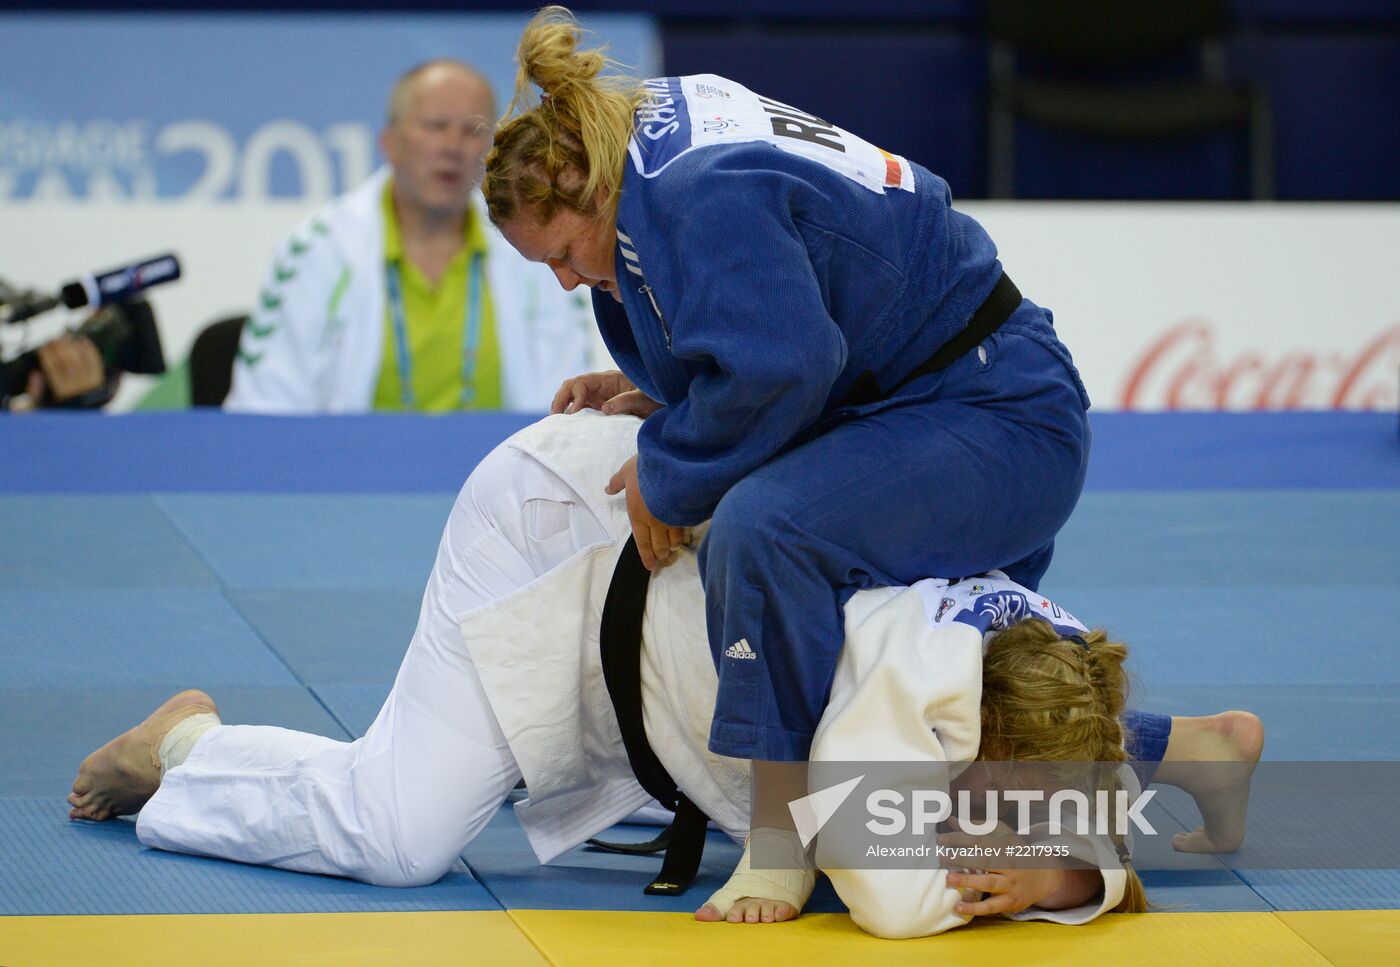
column 502, row 679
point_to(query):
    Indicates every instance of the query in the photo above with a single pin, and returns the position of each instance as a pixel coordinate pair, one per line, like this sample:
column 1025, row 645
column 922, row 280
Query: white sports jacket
column 315, row 342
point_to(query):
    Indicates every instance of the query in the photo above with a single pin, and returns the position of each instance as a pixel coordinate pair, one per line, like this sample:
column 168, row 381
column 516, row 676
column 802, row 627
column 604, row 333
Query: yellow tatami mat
column 577, row 938
column 1350, row 938
column 423, row 939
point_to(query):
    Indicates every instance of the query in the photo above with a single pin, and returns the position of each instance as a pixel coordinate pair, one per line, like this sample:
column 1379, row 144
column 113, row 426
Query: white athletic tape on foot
column 793, row 885
column 178, row 742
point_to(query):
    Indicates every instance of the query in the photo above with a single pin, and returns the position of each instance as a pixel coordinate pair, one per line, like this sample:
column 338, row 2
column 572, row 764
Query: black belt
column 620, row 645
column 1000, row 303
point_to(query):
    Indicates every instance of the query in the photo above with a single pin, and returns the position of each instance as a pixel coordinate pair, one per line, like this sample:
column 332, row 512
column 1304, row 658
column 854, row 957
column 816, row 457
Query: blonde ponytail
column 569, row 145
column 1050, row 699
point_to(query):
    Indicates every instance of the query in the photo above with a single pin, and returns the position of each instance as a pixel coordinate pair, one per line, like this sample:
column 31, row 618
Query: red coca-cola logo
column 1183, row 369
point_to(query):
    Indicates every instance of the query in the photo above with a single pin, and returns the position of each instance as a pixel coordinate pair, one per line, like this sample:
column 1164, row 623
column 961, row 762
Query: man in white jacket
column 503, row 679
column 400, row 295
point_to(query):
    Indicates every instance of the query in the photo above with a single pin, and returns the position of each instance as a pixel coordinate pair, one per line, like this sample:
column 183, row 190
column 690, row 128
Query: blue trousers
column 1146, row 741
column 970, row 469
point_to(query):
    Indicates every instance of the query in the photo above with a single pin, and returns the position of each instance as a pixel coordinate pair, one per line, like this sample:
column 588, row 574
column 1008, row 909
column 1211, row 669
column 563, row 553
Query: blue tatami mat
column 1215, row 451
column 1293, row 540
column 94, row 542
column 1362, row 722
column 50, row 865
column 1251, row 561
column 1200, row 891
column 203, row 451
column 1324, row 634
column 336, row 636
column 48, row 733
column 304, row 541
column 354, row 706
column 592, row 879
column 1185, row 882
column 134, row 638
column 1327, row 890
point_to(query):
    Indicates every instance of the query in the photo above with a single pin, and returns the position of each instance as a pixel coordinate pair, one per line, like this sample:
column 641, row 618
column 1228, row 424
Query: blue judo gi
column 764, row 265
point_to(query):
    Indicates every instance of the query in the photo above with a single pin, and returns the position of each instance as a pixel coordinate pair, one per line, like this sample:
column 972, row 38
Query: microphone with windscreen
column 116, row 285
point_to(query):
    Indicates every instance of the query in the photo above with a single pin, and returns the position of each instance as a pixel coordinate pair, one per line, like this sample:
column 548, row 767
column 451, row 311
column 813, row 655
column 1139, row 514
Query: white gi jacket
column 315, row 342
column 907, row 687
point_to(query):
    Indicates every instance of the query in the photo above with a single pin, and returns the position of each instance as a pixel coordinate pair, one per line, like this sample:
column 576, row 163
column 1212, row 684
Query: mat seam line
column 484, row 885
column 1309, row 943
column 528, row 936
column 226, row 593
column 1167, row 807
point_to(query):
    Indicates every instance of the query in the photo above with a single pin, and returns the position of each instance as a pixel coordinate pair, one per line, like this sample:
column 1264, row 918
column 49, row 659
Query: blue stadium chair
column 1108, row 75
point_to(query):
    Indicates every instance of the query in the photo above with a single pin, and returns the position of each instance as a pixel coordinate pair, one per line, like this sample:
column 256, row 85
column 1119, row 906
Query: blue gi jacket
column 758, row 283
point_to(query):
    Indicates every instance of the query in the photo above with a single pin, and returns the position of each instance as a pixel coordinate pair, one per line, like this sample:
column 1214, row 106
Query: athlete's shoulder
column 683, row 115
column 666, row 122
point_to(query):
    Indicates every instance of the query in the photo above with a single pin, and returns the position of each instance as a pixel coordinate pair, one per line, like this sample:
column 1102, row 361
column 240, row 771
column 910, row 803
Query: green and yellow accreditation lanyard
column 471, row 331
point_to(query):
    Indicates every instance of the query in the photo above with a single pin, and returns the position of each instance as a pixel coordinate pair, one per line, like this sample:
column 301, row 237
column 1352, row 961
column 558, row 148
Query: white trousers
column 398, row 806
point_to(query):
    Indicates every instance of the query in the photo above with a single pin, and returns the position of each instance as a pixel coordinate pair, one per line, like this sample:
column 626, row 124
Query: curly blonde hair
column 562, row 149
column 1050, row 699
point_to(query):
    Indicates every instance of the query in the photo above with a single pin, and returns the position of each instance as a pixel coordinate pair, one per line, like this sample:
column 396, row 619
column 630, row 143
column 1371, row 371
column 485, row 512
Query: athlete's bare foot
column 1213, row 757
column 749, row 909
column 118, row 778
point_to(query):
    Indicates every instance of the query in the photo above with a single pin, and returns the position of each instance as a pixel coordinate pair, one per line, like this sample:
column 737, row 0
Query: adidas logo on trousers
column 740, row 649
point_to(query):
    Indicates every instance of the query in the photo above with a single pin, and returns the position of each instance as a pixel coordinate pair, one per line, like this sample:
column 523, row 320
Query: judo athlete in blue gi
column 834, row 369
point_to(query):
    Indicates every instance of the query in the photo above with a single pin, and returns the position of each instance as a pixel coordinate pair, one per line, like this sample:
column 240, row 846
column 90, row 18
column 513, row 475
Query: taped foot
column 120, row 777
column 749, row 909
column 764, row 895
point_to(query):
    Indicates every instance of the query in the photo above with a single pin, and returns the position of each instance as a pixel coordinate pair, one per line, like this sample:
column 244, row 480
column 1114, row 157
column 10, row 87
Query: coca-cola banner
column 1215, row 307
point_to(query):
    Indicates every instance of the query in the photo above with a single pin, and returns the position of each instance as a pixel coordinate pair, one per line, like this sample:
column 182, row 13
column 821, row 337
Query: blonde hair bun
column 549, row 56
column 566, row 149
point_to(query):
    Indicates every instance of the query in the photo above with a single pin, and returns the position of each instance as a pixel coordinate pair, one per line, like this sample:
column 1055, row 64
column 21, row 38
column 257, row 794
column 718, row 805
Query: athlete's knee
column 409, row 866
column 406, row 849
column 752, row 521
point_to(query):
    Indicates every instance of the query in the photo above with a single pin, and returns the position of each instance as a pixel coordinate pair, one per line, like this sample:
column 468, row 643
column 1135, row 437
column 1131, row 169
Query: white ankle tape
column 178, row 742
column 793, row 885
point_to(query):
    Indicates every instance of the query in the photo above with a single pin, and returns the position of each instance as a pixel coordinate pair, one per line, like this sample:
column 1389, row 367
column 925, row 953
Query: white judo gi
column 503, row 679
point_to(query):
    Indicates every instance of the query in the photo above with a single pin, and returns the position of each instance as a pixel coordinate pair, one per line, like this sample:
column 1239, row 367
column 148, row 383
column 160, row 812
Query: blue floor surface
column 1250, row 562
column 54, row 866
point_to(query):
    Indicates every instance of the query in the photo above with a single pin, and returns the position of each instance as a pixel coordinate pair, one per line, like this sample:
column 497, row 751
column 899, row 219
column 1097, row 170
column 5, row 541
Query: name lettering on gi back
column 789, row 122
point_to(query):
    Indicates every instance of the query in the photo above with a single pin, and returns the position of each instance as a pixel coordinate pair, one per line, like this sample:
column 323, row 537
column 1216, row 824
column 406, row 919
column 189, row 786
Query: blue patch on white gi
column 999, row 610
column 995, row 611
